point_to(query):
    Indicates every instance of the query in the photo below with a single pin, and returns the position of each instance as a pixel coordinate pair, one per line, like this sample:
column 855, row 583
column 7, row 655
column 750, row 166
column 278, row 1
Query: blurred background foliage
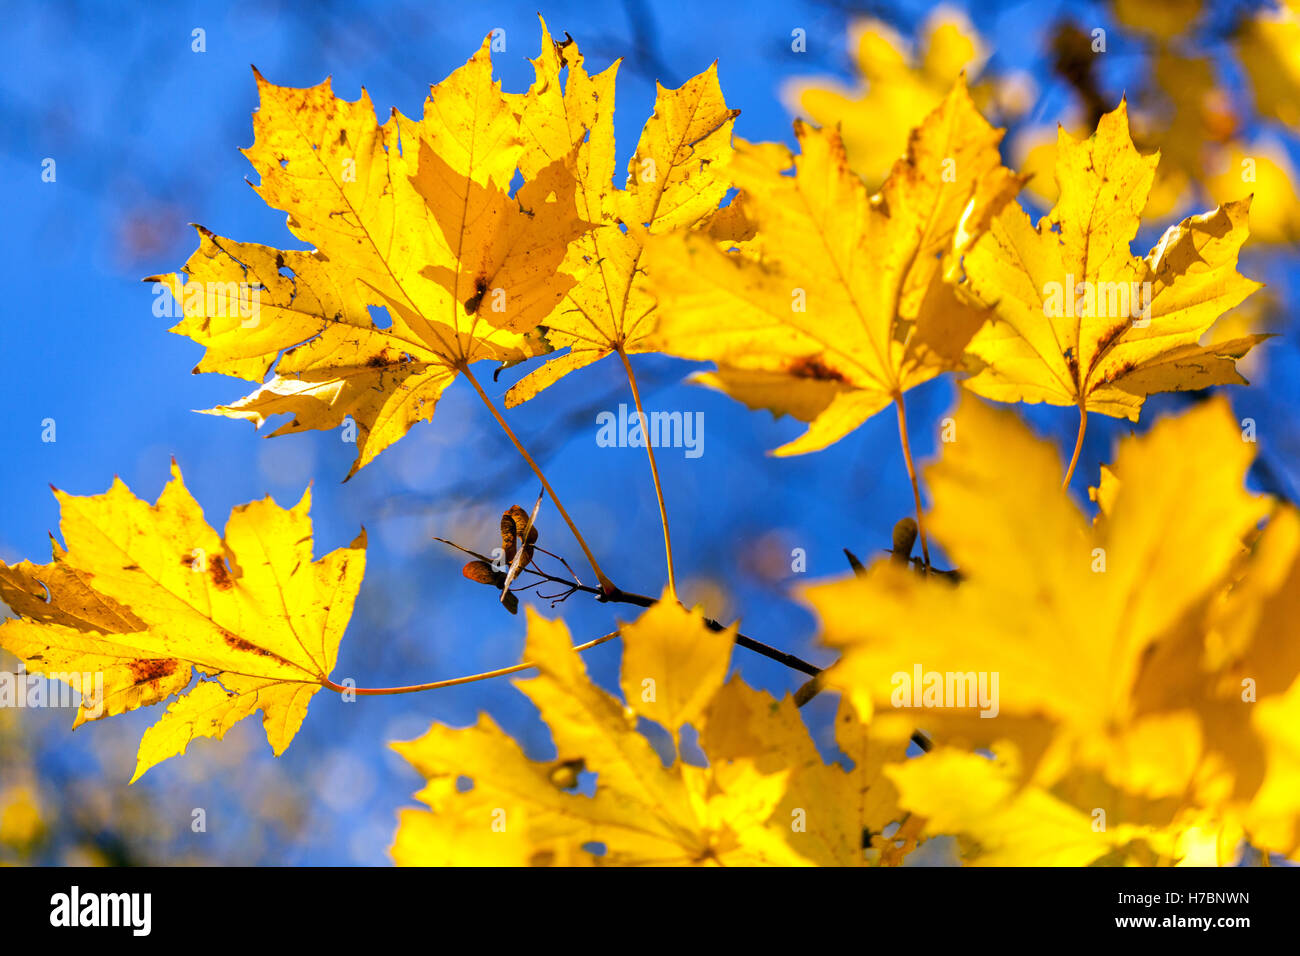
column 145, row 131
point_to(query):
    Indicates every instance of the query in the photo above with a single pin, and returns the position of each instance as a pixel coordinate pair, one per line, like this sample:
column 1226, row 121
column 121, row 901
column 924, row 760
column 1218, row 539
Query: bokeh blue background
column 145, row 133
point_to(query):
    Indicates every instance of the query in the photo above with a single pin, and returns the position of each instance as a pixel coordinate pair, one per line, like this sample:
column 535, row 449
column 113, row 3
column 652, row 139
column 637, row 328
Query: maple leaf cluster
column 1145, row 663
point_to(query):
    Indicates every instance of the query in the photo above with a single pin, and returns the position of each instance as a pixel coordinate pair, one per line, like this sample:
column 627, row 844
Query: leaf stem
column 1078, row 446
column 454, row 681
column 654, row 471
column 605, row 582
column 911, row 473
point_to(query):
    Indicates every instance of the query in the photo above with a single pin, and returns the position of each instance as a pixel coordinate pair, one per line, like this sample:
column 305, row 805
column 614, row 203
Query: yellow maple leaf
column 413, row 216
column 836, row 817
column 1075, row 649
column 1188, row 116
column 840, row 304
column 894, row 87
column 1267, row 47
column 1253, row 654
column 144, row 596
column 1001, row 822
column 643, row 812
column 1273, row 818
column 676, row 178
column 672, row 666
column 1263, row 168
column 1078, row 320
column 766, row 797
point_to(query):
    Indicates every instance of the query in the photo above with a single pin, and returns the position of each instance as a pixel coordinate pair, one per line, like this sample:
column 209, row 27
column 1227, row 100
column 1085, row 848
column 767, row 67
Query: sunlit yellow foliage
column 1078, row 319
column 842, row 304
column 766, row 798
column 1119, row 649
column 146, row 595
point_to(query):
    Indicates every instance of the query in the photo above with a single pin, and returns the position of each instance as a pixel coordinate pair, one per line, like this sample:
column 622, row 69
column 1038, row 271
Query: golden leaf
column 145, row 596
column 1078, row 320
column 766, row 798
column 676, row 178
column 839, row 302
column 413, row 216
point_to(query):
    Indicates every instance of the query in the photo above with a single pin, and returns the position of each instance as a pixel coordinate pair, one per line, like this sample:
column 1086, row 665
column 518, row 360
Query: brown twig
column 803, row 695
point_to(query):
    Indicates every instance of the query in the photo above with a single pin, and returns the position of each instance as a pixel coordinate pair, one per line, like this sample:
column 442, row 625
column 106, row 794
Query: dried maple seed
column 483, row 573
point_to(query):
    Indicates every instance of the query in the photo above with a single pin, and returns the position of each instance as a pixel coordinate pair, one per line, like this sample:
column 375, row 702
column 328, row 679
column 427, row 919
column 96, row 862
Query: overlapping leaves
column 676, row 178
column 1128, row 652
column 839, row 303
column 415, row 217
column 766, row 797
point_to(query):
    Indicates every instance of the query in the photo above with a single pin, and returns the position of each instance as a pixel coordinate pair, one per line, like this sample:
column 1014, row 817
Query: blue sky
column 145, row 133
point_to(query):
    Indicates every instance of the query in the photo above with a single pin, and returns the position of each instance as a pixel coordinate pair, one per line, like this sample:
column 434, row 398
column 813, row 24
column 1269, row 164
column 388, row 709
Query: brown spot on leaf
column 144, row 672
column 1107, row 341
column 815, row 368
column 480, row 288
column 239, row 644
column 1118, row 372
column 247, row 647
column 220, row 575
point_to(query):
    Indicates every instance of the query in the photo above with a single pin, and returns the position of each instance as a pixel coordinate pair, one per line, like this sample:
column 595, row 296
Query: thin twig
column 619, row 596
column 803, row 695
column 505, row 427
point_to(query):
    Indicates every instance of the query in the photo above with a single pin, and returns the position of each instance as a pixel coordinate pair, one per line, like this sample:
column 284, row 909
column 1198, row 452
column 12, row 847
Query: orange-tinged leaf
column 145, row 596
